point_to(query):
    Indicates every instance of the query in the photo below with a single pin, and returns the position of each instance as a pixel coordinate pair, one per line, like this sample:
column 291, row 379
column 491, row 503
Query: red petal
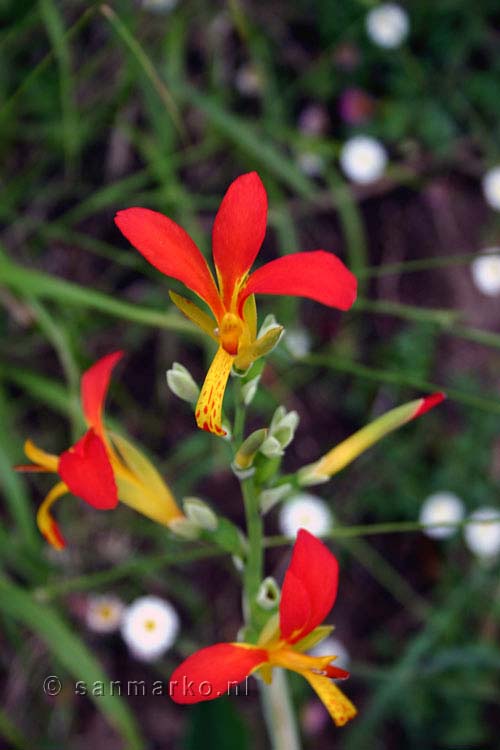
column 214, row 671
column 239, row 229
column 428, row 403
column 171, row 250
column 336, row 673
column 317, row 274
column 94, row 386
column 86, row 470
column 313, row 570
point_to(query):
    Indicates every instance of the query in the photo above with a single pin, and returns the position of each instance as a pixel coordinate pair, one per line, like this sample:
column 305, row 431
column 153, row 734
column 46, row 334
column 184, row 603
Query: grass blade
column 71, row 653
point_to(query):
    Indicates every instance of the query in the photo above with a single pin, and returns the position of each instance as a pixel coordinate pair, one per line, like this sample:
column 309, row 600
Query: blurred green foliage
column 104, row 106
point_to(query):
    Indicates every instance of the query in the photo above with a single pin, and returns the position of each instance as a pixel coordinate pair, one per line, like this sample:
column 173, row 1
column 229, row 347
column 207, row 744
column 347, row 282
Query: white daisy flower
column 483, row 539
column 104, row 613
column 486, row 272
column 387, row 25
column 491, row 187
column 150, row 626
column 305, row 511
column 298, row 342
column 335, row 647
column 441, row 507
column 363, row 159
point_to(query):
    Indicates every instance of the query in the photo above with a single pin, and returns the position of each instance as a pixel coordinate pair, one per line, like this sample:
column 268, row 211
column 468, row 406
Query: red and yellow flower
column 102, row 467
column 308, row 594
column 345, row 452
column 238, row 233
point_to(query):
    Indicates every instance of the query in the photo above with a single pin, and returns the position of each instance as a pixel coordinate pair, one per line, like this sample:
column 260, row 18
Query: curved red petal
column 239, row 229
column 313, row 570
column 336, row 673
column 318, row 275
column 86, row 470
column 295, row 608
column 214, row 671
column 94, row 386
column 171, row 250
column 428, row 403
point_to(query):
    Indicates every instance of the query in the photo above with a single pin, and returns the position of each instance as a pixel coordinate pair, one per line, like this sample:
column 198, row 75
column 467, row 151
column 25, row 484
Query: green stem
column 239, row 419
column 254, row 565
column 279, row 713
column 390, row 527
column 276, row 704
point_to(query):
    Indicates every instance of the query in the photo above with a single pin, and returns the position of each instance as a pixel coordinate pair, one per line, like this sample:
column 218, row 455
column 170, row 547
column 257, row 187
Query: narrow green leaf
column 490, row 405
column 14, row 489
column 43, row 285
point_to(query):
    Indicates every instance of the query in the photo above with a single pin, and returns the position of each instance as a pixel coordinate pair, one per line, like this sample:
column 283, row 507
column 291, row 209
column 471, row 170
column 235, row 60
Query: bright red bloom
column 101, row 467
column 308, row 594
column 238, row 233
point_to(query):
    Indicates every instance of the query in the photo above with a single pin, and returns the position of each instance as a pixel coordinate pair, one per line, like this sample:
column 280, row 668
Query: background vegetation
column 105, row 106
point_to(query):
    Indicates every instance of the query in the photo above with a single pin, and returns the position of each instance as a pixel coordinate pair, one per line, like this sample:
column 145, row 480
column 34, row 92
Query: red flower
column 93, row 470
column 309, row 591
column 238, row 233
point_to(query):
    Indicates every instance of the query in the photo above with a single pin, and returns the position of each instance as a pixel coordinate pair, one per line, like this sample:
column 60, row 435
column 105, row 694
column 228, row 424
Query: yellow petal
column 317, row 635
column 336, row 703
column 193, row 312
column 44, row 519
column 47, row 461
column 209, row 407
column 345, row 452
column 259, row 348
column 140, row 485
column 250, row 316
column 270, row 633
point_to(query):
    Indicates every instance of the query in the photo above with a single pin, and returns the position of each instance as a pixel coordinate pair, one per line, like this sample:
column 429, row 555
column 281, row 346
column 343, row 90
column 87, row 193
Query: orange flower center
column 230, row 331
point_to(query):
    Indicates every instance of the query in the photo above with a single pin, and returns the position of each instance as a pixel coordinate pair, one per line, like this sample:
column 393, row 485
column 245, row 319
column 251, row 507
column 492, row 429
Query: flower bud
column 345, row 452
column 269, row 594
column 271, row 448
column 247, row 450
column 269, row 498
column 281, row 432
column 238, row 563
column 200, row 513
column 182, row 384
column 262, row 346
column 185, row 528
column 249, row 390
column 268, row 323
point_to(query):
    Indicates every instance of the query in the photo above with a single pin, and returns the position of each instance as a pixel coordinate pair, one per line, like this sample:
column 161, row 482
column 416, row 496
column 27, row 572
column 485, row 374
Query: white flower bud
column 268, row 323
column 185, row 528
column 182, row 384
column 200, row 513
column 269, row 594
column 269, row 498
column 249, row 390
column 271, row 448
